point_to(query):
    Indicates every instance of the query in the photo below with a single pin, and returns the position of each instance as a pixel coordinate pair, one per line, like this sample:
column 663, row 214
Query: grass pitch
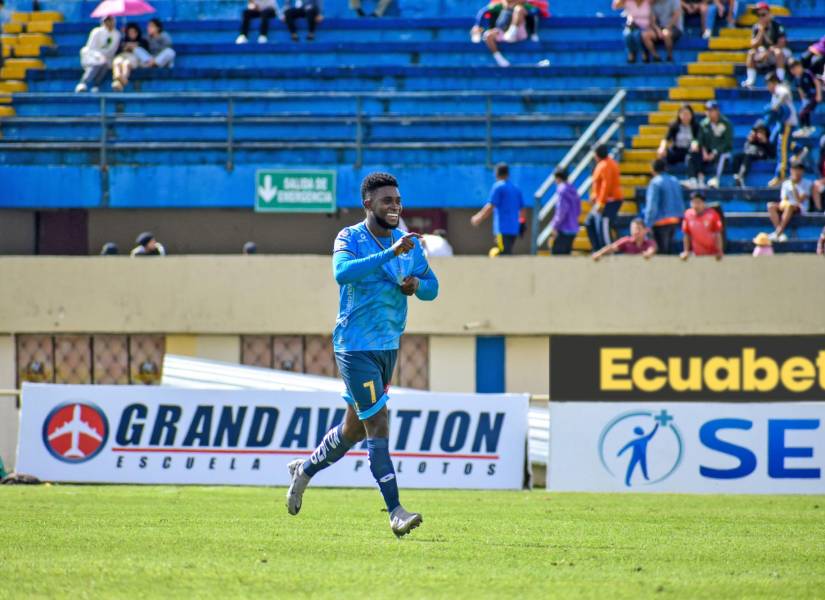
column 198, row 542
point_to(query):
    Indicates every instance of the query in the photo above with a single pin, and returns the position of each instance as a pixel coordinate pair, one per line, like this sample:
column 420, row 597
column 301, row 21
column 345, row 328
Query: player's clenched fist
column 409, row 286
column 405, row 243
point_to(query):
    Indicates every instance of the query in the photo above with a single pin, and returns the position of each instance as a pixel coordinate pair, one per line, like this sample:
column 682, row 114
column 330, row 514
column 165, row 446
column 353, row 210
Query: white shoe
column 713, row 182
column 475, row 37
column 403, row 522
column 707, row 34
column 262, row 39
column 535, row 37
column 748, row 84
column 500, row 60
column 782, row 237
column 95, row 89
column 298, row 483
column 772, row 236
column 511, row 35
column 80, row 88
column 690, row 184
column 543, row 63
column 241, row 39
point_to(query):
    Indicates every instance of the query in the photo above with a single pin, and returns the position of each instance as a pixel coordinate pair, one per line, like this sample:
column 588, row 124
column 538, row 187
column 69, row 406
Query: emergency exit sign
column 311, row 191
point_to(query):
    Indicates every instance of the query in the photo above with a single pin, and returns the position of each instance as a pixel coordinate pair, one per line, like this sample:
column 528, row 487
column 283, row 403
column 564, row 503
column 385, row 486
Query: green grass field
column 198, row 542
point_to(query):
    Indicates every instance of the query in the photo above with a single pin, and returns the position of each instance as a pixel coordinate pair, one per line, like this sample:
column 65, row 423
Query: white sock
column 781, row 74
column 751, row 76
column 502, row 62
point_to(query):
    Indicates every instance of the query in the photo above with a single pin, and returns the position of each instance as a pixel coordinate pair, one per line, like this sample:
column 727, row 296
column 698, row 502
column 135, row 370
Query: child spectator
column 160, row 45
column 565, row 223
column 780, row 115
column 639, row 18
column 147, row 245
column 96, row 56
column 605, row 197
column 701, row 229
column 379, row 11
column 794, row 196
column 757, row 147
column 664, row 205
column 767, row 46
column 297, row 9
column 814, row 57
column 510, row 27
column 681, row 139
column 257, row 9
column 635, row 243
column 762, row 245
column 506, row 204
column 133, row 51
column 810, row 94
column 725, row 9
column 667, row 25
column 715, row 145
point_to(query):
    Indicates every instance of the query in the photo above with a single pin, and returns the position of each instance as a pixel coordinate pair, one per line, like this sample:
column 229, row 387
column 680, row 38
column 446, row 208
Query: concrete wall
column 8, row 404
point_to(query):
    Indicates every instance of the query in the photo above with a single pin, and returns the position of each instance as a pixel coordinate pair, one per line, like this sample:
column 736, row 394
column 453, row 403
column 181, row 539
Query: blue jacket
column 664, row 198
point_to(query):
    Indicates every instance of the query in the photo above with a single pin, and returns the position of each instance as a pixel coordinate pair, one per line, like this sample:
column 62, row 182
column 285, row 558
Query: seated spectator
column 506, row 205
column 565, row 223
column 795, row 197
column 819, row 183
column 510, row 28
column 147, row 245
column 605, row 197
column 250, row 248
column 302, row 9
column 436, row 244
column 701, row 229
column 696, row 8
column 161, row 53
column 96, row 56
column 257, row 9
column 780, row 115
column 810, row 94
column 638, row 21
column 723, row 9
column 664, row 205
column 715, row 146
column 681, row 139
column 768, row 44
column 380, row 8
column 762, row 245
column 667, row 25
column 635, row 243
column 133, row 50
column 487, row 17
column 757, row 147
column 814, row 57
column 109, row 249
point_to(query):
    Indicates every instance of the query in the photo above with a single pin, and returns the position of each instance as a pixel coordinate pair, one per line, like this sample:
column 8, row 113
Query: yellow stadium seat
column 693, row 93
column 710, row 68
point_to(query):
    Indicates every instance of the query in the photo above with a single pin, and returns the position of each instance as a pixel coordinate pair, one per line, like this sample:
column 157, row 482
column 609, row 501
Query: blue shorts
column 367, row 376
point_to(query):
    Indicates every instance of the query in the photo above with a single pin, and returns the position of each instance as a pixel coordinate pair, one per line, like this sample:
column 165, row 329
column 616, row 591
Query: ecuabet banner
column 143, row 434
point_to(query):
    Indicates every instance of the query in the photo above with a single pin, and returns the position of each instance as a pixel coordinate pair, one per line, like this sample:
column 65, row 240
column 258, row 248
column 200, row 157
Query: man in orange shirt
column 702, row 229
column 606, row 198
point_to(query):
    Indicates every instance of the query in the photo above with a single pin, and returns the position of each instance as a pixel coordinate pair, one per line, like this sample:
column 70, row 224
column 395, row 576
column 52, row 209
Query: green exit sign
column 278, row 190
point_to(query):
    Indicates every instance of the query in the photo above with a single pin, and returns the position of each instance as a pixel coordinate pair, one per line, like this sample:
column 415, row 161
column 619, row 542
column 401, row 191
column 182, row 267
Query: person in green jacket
column 715, row 147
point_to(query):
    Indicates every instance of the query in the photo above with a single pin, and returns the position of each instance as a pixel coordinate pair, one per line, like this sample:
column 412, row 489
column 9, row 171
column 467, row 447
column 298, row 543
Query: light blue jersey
column 372, row 310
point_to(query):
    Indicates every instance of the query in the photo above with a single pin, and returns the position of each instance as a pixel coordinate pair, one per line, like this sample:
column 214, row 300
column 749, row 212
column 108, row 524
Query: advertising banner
column 143, row 434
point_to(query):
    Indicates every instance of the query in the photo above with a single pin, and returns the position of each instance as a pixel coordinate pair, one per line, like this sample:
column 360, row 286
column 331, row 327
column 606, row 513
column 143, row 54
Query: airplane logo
column 75, row 432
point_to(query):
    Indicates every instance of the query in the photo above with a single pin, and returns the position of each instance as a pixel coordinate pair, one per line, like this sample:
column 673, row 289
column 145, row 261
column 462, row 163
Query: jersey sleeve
column 344, row 242
column 717, row 222
column 495, row 196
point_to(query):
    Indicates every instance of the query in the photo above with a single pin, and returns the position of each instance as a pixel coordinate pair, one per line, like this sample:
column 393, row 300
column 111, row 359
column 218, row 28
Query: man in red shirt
column 635, row 243
column 702, row 229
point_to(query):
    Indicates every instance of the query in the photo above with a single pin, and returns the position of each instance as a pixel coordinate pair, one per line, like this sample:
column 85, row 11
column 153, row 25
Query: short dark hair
column 560, row 173
column 601, row 151
column 373, row 181
column 502, row 170
column 156, row 22
column 793, row 63
column 638, row 221
column 772, row 78
column 659, row 165
column 697, row 194
column 109, row 248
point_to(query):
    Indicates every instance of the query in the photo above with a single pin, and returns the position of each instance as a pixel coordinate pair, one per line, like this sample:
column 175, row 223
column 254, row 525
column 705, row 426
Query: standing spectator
column 250, row 248
column 605, row 197
column 715, row 145
column 96, row 56
column 762, row 245
column 757, row 147
column 664, row 205
column 767, row 46
column 814, row 57
column 510, row 28
column 133, row 50
column 725, row 9
column 701, row 229
column 696, row 8
column 635, row 243
column 681, row 139
column 638, row 21
column 780, row 116
column 161, row 53
column 306, row 9
column 109, row 249
column 257, row 9
column 565, row 223
column 667, row 25
column 379, row 11
column 147, row 245
column 810, row 94
column 506, row 204
column 795, row 195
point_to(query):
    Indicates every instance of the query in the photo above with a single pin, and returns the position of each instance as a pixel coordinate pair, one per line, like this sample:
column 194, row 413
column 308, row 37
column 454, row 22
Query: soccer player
column 377, row 269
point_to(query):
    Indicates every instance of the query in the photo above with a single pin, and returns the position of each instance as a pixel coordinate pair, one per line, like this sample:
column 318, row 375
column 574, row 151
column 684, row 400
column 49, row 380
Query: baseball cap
column 711, row 104
column 762, row 6
column 144, row 238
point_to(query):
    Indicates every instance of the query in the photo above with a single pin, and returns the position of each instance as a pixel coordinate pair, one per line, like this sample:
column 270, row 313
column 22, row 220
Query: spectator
column 565, row 223
column 781, row 118
column 147, row 245
column 257, row 9
column 725, row 9
column 510, row 27
column 302, row 9
column 664, row 205
column 757, row 147
column 667, row 25
column 379, row 11
column 696, row 8
column 767, row 46
column 820, row 243
column 639, row 19
column 715, row 146
column 436, row 244
column 161, row 53
column 701, row 229
column 795, row 195
column 635, row 243
column 810, row 94
column 250, row 248
column 506, row 204
column 5, row 17
column 96, row 56
column 814, row 57
column 762, row 245
column 819, row 183
column 109, row 249
column 605, row 197
column 133, row 49
column 681, row 139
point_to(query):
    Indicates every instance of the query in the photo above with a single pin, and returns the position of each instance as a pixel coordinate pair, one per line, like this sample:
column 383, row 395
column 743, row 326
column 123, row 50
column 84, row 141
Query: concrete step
column 641, row 167
column 638, row 156
column 12, row 86
column 729, row 43
column 692, row 93
column 710, row 68
column 713, row 81
column 659, row 130
column 670, row 106
column 723, row 57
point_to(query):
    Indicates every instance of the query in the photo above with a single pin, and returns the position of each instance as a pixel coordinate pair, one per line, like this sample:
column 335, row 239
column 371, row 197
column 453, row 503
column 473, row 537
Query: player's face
column 385, row 204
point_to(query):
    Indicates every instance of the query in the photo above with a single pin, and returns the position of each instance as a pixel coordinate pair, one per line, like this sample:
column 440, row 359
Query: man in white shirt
column 96, row 56
column 794, row 196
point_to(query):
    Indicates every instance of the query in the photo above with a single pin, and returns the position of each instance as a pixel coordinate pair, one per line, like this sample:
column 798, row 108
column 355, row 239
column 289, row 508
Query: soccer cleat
column 298, row 483
column 403, row 522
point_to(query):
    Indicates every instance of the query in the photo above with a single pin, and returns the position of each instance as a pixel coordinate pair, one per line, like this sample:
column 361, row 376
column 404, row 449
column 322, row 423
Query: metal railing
column 583, row 153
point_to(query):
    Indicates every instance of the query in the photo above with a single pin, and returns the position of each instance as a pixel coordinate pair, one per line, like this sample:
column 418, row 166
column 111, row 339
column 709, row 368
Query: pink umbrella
column 122, row 8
